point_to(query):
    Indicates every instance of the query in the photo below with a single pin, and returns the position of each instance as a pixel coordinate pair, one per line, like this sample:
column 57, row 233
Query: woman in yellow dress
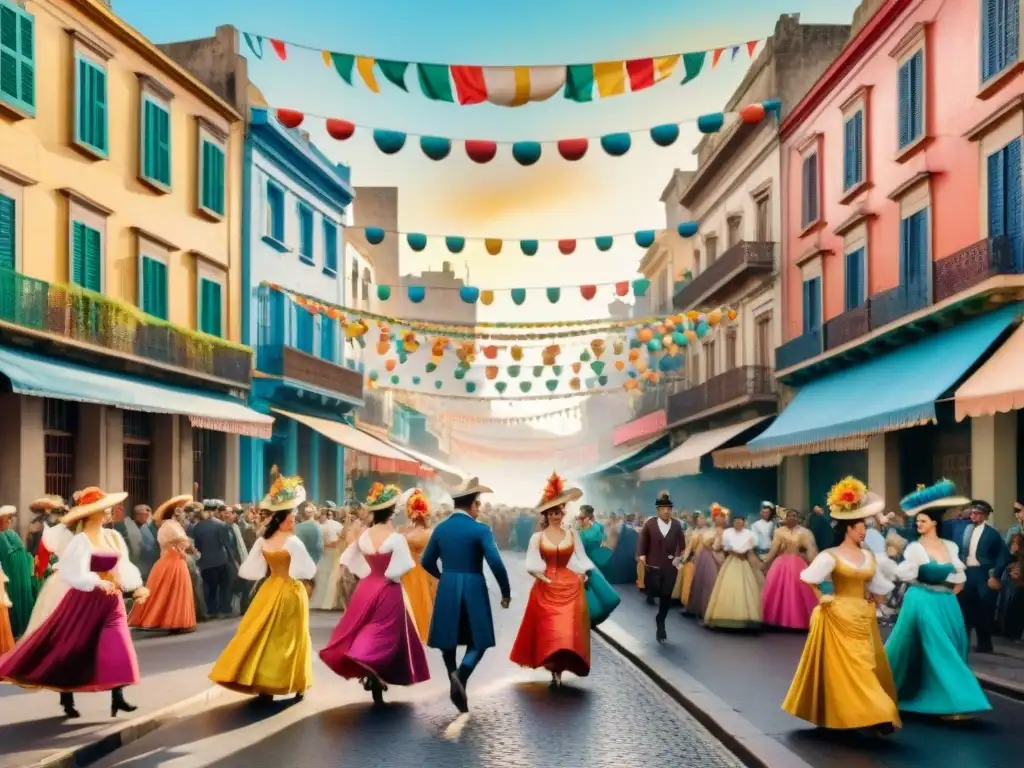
column 271, row 653
column 694, row 542
column 420, row 587
column 735, row 601
column 843, row 680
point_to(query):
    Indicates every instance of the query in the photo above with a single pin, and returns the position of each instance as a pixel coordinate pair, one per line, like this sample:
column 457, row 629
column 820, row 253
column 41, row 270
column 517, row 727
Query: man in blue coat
column 986, row 556
column 462, row 609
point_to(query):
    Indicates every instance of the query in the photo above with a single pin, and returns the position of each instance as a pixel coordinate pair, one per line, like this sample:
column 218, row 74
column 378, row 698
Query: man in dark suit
column 986, row 556
column 659, row 547
column 214, row 540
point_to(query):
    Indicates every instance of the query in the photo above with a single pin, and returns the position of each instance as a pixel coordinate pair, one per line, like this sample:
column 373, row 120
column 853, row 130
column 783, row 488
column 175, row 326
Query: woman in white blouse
column 928, row 646
column 85, row 645
column 735, row 601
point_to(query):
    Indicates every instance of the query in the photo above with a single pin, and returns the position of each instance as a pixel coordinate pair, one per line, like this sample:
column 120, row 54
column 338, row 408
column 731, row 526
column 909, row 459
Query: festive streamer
column 418, row 241
column 449, row 417
column 525, row 396
column 486, row 296
column 528, row 152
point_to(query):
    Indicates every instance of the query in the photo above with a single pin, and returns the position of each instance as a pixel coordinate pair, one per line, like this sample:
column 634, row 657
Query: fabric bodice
column 592, row 537
column 791, row 541
column 378, row 562
column 557, row 556
column 848, row 581
column 417, row 540
column 934, row 573
column 279, row 562
column 103, row 562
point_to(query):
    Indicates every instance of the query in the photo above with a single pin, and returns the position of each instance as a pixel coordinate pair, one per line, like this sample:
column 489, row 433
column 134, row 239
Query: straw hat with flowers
column 170, row 505
column 89, row 501
column 285, row 492
column 382, row 496
column 556, row 493
column 850, row 499
column 415, row 504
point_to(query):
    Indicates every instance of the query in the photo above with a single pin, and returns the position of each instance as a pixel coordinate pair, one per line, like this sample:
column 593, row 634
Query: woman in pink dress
column 85, row 645
column 376, row 640
column 786, row 601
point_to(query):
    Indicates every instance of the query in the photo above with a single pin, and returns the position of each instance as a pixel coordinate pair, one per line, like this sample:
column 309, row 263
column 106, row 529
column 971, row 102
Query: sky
column 552, row 199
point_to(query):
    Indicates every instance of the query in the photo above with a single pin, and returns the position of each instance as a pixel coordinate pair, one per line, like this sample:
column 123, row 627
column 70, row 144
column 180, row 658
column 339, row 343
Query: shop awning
column 447, row 472
column 893, row 391
column 685, row 458
column 632, row 459
column 40, row 376
column 996, row 387
column 349, row 437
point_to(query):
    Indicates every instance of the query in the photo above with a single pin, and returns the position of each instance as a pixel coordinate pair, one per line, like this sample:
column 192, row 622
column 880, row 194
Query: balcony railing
column 68, row 313
column 748, row 382
column 735, row 265
column 954, row 274
column 283, row 360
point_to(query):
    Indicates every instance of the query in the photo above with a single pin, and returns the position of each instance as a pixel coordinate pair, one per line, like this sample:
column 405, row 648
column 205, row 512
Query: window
column 855, row 282
column 812, row 305
column 274, row 222
column 1005, row 213
column 8, row 233
column 710, row 369
column 305, row 233
column 731, row 349
column 809, row 196
column 733, row 233
column 328, row 339
column 211, row 176
column 86, row 256
column 91, row 105
column 710, row 250
column 137, row 460
column 763, row 220
column 60, row 426
column 911, row 96
column 763, row 339
column 211, row 307
column 330, row 247
column 355, row 282
column 914, row 251
column 153, row 289
column 156, row 141
column 1000, row 36
column 17, row 57
column 303, row 329
column 853, row 150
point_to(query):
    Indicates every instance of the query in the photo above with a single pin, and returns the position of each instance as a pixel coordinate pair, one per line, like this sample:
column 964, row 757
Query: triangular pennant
column 343, row 65
column 394, row 72
column 751, row 47
column 693, row 63
column 716, row 56
column 280, row 49
column 255, row 43
column 734, row 52
column 364, row 65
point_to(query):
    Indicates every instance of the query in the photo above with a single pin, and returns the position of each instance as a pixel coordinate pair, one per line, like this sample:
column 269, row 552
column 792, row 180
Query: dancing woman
column 85, row 645
column 928, row 646
column 171, row 606
column 555, row 633
column 707, row 563
column 420, row 587
column 735, row 601
column 602, row 598
column 843, row 680
column 271, row 653
column 786, row 601
column 54, row 540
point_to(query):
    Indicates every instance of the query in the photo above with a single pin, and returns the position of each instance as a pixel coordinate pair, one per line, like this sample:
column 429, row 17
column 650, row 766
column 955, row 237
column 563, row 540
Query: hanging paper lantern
column 471, row 387
column 640, row 365
column 752, row 113
column 654, row 345
column 557, row 369
column 573, row 149
column 374, row 235
column 388, row 142
column 687, row 229
column 666, row 340
column 491, row 371
column 517, row 353
column 644, row 238
column 529, row 247
column 538, row 371
column 356, row 329
column 435, row 147
column 597, row 367
column 469, row 294
column 487, row 298
column 574, row 384
column 526, row 152
column 454, row 243
column 416, row 240
column 691, row 336
column 629, row 384
column 416, row 380
column 340, row 129
column 602, row 380
column 714, row 317
column 518, row 295
column 731, row 314
column 645, row 335
column 490, row 352
column 702, row 330
column 597, row 347
column 585, row 356
column 431, row 367
column 525, row 386
column 617, row 347
column 410, row 342
column 493, row 245
column 290, row 118
column 374, row 375
column 665, row 364
column 634, row 355
column 416, row 293
column 460, row 373
column 588, row 291
column 665, row 135
column 438, row 384
column 481, row 150
column 551, row 384
column 383, row 346
column 711, row 123
column 576, row 367
column 693, row 315
column 622, row 289
column 640, row 286
column 679, row 339
column 383, row 292
column 501, row 386
column 604, row 242
column 619, row 365
column 566, row 247
column 616, row 144
column 554, row 294
column 514, row 370
column 395, row 379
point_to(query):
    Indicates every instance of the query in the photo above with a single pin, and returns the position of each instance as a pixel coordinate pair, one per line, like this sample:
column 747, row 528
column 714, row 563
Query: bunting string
column 509, row 86
column 529, row 152
column 449, row 417
column 526, row 392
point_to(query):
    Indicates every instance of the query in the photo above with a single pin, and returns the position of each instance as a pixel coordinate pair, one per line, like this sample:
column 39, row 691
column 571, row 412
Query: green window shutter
column 210, row 307
column 91, row 106
column 77, row 267
column 93, row 260
column 154, row 287
column 17, row 57
column 212, row 182
column 163, row 146
column 156, row 143
column 8, row 233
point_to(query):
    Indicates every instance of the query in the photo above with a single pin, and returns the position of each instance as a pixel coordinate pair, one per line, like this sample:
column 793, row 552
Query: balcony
column 730, row 270
column 738, row 387
column 799, row 349
column 70, row 317
column 288, row 362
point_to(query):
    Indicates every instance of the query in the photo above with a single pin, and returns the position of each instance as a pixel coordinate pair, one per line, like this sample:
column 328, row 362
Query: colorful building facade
column 120, row 256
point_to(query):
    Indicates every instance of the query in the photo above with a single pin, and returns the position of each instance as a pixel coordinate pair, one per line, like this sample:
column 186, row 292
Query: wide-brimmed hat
column 89, row 501
column 8, row 511
column 941, row 495
column 556, row 494
column 46, row 503
column 663, row 500
column 382, row 496
column 170, row 505
column 850, row 499
column 285, row 493
column 471, row 486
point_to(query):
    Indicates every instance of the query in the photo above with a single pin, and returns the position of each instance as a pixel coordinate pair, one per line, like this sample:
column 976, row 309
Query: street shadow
column 46, row 732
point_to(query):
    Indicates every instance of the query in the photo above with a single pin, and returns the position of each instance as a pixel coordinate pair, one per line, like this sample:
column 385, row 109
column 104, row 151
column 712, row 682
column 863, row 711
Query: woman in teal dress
column 928, row 647
column 522, row 531
column 602, row 599
column 621, row 568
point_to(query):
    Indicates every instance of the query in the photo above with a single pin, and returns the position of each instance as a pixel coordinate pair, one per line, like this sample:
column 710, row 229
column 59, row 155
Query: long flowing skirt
column 555, row 633
column 21, row 590
column 735, row 601
column 622, row 566
column 347, row 582
column 843, row 680
column 83, row 646
column 686, row 578
column 271, row 653
column 171, row 605
column 325, row 590
column 705, row 574
column 198, row 595
column 6, row 636
column 377, row 637
column 50, row 595
column 602, row 598
column 787, row 601
column 927, row 652
column 420, row 591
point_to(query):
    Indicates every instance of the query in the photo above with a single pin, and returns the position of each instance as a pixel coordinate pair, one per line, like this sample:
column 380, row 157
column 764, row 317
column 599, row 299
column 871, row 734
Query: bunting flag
column 510, row 86
column 450, row 417
column 448, row 391
column 485, row 296
column 528, row 152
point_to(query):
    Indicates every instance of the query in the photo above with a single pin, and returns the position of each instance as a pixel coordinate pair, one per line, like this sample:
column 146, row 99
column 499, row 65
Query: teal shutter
column 91, row 105
column 905, row 136
column 8, row 232
column 1015, row 203
column 210, row 308
column 17, row 57
column 156, row 143
column 212, row 183
column 810, row 190
column 303, row 329
column 78, row 253
column 93, row 260
column 330, row 246
column 154, row 288
column 328, row 338
column 305, row 232
column 855, row 288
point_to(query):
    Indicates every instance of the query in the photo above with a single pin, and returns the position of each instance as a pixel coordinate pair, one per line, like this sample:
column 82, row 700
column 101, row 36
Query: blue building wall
column 294, row 199
column 741, row 490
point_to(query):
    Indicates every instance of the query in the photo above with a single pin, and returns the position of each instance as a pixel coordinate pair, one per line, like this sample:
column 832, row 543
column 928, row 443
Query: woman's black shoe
column 118, row 703
column 67, row 701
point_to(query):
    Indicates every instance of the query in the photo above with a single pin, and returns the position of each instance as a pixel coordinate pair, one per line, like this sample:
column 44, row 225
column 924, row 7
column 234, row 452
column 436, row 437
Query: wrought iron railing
column 744, row 382
column 735, row 263
column 281, row 359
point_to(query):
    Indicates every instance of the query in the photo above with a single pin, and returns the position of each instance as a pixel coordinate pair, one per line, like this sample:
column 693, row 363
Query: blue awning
column 893, row 391
column 632, row 459
column 32, row 374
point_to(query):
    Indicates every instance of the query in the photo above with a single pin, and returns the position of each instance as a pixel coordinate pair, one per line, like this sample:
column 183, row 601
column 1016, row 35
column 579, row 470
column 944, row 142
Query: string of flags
column 510, row 86
column 525, row 389
column 572, row 412
column 471, row 294
column 417, row 241
column 529, row 152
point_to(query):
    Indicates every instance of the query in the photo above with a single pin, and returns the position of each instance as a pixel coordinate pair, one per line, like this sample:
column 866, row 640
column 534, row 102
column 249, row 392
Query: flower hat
column 718, row 511
column 382, row 496
column 284, row 493
column 850, row 499
column 90, row 500
column 556, row 494
column 941, row 495
column 415, row 504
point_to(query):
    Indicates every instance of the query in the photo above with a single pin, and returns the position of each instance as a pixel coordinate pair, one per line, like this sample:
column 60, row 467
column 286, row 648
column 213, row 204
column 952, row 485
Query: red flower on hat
column 554, row 487
column 88, row 495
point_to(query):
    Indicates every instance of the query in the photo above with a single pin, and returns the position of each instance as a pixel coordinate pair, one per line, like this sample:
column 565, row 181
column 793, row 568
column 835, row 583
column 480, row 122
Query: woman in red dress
column 555, row 633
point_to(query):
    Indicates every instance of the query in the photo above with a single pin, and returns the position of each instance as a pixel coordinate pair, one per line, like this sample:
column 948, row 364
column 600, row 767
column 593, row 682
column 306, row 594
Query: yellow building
column 120, row 264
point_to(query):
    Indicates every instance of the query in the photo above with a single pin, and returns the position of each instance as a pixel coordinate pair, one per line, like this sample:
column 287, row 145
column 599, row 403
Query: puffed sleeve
column 914, row 556
column 743, row 542
column 75, row 562
column 880, row 584
column 534, row 562
column 401, row 558
column 352, row 558
column 579, row 562
column 254, row 567
column 302, row 567
column 819, row 570
column 56, row 538
column 958, row 576
column 886, row 566
column 129, row 578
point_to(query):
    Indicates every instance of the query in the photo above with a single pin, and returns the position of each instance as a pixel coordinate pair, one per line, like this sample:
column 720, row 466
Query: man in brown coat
column 660, row 545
